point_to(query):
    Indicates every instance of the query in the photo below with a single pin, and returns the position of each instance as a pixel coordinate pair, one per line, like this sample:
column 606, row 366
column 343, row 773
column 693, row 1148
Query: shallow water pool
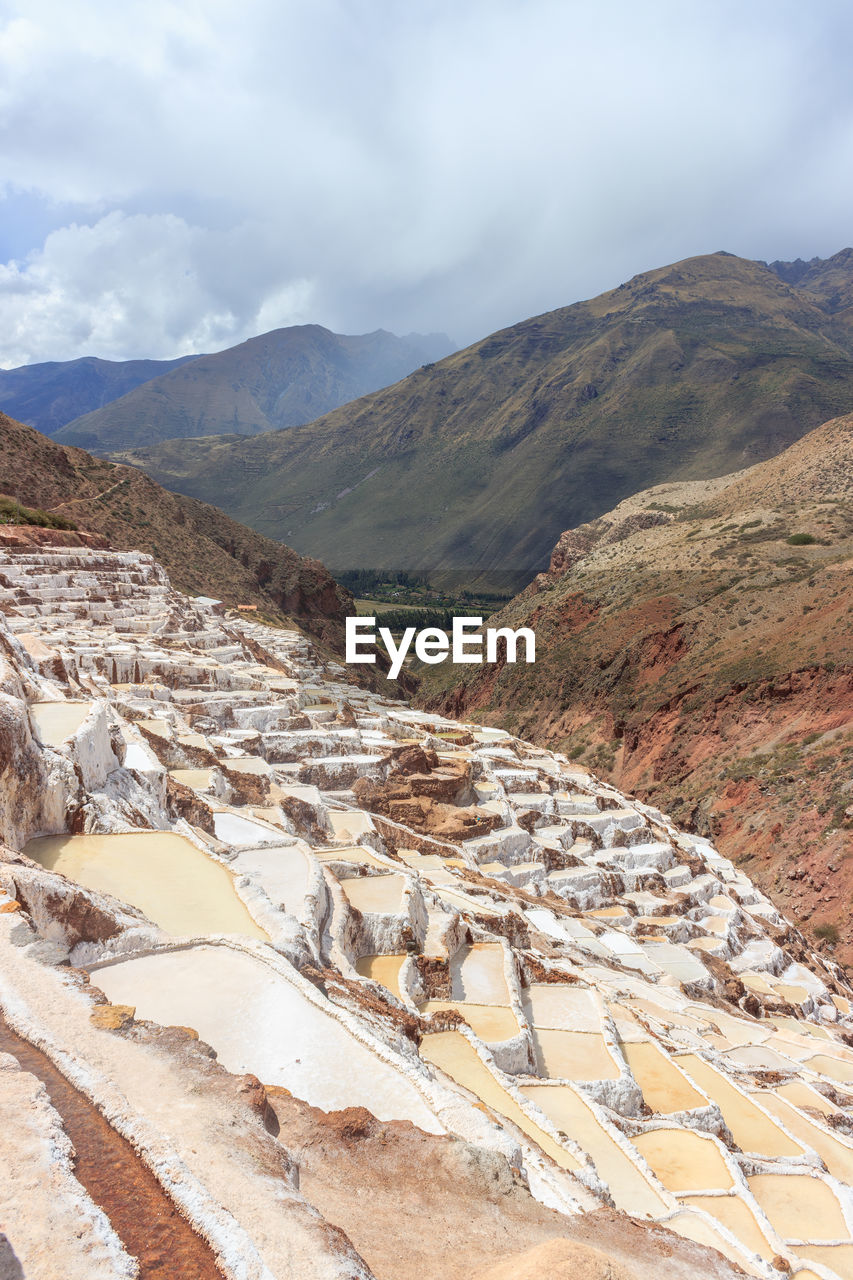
column 177, row 886
column 55, row 722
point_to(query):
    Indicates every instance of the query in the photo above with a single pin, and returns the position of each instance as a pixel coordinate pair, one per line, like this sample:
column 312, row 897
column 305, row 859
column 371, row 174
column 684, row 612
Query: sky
column 178, row 176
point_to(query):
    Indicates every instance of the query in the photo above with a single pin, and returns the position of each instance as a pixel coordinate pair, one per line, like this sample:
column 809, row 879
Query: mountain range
column 693, row 646
column 685, row 372
column 279, row 379
column 47, row 396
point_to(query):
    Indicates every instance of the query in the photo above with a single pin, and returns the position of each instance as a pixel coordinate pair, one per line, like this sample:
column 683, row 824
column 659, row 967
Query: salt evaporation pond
column 457, row 1058
column 663, row 1086
column 177, row 886
column 835, row 1154
column 477, row 974
column 684, row 1160
column 573, row 1055
column 731, row 1212
column 54, row 722
column 839, row 1258
column 259, row 1022
column 356, row 854
column 282, row 872
column 382, row 969
column 380, row 894
column 832, row 1067
column 800, row 1094
column 568, row 1111
column 237, row 831
column 349, row 825
column 561, row 1008
column 751, row 1129
column 198, row 779
column 247, row 764
column 799, row 1207
column 138, row 757
column 490, row 1022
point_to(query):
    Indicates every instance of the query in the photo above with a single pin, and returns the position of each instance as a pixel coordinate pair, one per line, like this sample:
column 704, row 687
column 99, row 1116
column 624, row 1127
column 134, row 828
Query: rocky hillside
column 686, row 372
column 48, row 395
column 205, row 551
column 694, row 645
column 278, row 379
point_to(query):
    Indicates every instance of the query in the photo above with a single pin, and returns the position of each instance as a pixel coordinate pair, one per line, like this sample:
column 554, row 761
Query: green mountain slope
column 47, row 396
column 278, row 379
column 689, row 371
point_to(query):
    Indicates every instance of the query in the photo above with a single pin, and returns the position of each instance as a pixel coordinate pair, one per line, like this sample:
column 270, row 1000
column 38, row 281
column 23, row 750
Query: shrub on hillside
column 800, row 539
column 12, row 512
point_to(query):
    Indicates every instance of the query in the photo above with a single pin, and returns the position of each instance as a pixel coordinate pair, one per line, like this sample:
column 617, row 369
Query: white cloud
column 363, row 163
column 127, row 285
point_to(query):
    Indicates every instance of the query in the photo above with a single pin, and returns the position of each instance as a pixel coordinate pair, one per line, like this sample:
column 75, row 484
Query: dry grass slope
column 693, row 645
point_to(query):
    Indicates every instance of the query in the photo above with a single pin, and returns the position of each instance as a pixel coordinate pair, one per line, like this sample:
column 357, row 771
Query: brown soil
column 428, row 795
column 142, row 1215
column 419, row 1207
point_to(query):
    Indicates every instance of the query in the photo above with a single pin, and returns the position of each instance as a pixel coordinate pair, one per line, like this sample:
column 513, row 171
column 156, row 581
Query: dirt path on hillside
column 69, row 502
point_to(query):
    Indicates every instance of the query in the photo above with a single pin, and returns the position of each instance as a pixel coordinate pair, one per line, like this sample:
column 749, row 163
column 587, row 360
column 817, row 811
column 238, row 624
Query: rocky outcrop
column 573, row 545
column 427, row 795
column 186, row 805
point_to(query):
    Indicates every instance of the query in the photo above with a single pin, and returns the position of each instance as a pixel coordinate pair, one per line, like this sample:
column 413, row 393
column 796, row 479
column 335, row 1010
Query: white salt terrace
column 587, row 1034
column 257, row 1020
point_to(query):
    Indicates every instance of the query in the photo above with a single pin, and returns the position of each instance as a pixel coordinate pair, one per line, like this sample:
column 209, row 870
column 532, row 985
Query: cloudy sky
column 177, row 175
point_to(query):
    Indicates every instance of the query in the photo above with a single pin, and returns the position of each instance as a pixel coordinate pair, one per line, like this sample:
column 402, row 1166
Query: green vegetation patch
column 12, row 512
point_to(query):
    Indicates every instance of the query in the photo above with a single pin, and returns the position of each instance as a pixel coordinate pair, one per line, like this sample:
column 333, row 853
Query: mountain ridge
column 52, row 393
column 693, row 369
column 277, row 379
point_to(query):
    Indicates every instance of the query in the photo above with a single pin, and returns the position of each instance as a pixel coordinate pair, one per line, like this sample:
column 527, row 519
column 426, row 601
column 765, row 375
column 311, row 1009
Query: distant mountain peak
column 793, row 272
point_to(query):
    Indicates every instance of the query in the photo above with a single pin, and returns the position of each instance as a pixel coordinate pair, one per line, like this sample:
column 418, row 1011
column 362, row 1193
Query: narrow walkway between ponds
column 142, row 1215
